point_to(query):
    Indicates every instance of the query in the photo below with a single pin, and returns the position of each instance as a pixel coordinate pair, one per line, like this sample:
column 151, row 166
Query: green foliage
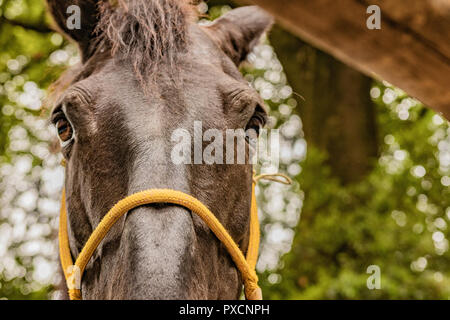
column 26, row 41
column 26, row 70
column 396, row 218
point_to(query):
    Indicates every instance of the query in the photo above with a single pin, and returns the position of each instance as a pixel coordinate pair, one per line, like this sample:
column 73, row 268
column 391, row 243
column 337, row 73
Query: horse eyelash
column 57, row 115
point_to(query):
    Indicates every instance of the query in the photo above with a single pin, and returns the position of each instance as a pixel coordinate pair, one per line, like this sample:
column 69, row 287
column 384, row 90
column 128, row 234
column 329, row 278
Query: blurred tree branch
column 42, row 28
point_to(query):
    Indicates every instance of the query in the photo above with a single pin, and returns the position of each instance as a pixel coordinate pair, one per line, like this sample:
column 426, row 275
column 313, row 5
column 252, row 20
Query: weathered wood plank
column 428, row 19
column 410, row 59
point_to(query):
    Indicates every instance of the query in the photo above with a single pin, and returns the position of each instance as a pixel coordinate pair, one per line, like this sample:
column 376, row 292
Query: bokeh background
column 371, row 169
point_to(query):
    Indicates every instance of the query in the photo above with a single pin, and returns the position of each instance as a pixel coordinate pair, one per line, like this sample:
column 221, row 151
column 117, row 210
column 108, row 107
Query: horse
column 148, row 68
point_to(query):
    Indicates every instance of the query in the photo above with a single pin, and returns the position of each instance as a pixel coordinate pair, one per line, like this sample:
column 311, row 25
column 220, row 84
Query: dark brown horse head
column 147, row 70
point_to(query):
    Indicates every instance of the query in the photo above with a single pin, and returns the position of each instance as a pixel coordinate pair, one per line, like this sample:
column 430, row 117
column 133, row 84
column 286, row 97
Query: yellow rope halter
column 73, row 273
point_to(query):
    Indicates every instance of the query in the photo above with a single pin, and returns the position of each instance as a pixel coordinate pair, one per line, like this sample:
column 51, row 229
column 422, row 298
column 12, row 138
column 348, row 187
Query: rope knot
column 276, row 177
column 75, row 294
column 252, row 290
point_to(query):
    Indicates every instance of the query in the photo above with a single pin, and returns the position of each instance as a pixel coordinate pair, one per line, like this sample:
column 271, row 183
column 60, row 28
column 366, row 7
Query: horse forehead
column 164, row 103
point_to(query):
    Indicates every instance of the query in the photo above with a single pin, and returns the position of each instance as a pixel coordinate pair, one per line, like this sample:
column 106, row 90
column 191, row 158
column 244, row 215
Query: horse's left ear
column 239, row 30
column 77, row 19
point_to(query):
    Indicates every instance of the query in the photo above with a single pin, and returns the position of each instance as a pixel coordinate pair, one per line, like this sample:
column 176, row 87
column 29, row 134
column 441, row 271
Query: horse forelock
column 149, row 33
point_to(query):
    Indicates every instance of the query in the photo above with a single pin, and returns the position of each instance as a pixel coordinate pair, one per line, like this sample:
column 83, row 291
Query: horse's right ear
column 77, row 19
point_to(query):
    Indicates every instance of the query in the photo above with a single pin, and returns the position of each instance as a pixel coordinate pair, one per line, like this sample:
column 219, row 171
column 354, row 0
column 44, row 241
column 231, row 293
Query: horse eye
column 64, row 128
column 255, row 124
column 252, row 130
column 257, row 121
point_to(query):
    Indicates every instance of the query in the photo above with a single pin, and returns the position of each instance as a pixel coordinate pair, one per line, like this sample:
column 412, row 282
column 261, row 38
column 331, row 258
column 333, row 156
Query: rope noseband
column 246, row 265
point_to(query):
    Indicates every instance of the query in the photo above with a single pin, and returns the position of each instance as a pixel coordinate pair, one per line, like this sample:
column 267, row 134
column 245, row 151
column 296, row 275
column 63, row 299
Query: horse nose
column 156, row 245
column 163, row 221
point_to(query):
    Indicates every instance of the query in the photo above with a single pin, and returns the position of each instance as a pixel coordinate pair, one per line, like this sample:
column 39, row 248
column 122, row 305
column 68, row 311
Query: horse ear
column 77, row 19
column 239, row 30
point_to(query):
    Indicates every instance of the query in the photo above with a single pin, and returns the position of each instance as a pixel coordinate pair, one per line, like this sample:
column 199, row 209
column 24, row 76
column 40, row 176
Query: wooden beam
column 411, row 51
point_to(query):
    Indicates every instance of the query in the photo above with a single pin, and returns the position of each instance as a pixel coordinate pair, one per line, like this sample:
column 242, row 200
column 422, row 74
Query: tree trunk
column 334, row 104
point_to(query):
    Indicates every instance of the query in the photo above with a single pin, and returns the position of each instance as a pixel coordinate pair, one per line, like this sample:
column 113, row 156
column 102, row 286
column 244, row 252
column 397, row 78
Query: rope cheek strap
column 246, row 265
